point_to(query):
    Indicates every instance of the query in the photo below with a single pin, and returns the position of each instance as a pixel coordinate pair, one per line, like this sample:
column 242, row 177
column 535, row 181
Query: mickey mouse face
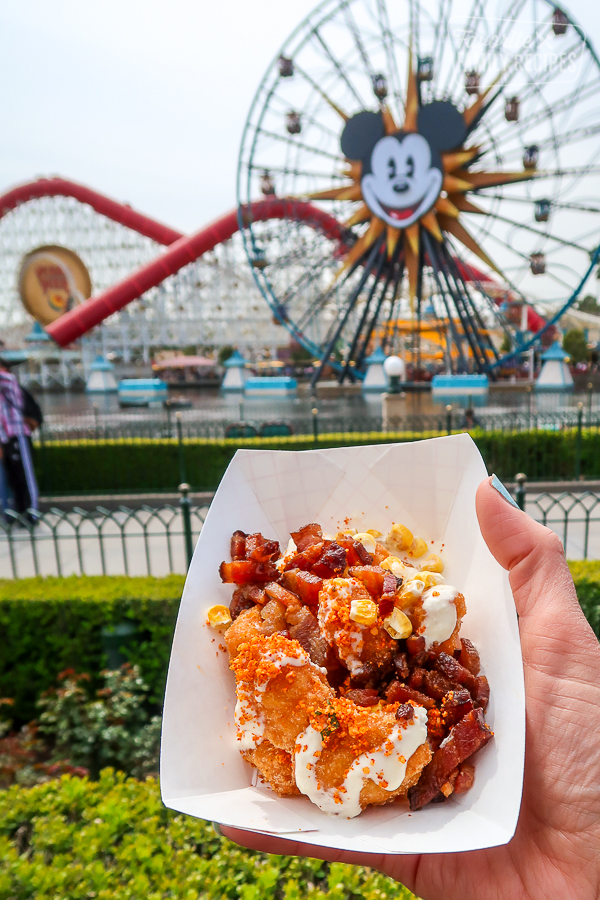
column 402, row 184
column 402, row 173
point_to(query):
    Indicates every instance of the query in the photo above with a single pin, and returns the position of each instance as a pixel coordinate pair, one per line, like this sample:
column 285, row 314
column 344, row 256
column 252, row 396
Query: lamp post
column 395, row 371
column 393, row 367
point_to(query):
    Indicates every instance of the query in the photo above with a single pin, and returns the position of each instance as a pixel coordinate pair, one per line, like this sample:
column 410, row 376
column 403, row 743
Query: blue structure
column 448, row 388
column 142, row 391
column 555, row 374
column 235, row 376
column 375, row 380
column 37, row 335
column 101, row 379
column 280, row 386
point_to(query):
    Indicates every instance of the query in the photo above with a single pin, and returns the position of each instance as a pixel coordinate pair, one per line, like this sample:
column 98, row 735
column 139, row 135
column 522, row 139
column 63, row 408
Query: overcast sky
column 144, row 101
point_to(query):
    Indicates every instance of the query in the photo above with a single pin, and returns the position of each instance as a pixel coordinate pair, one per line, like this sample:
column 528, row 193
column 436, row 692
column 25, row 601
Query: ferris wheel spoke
column 483, row 330
column 338, row 67
column 321, row 301
column 555, row 203
column 432, row 249
column 395, row 274
column 579, row 94
column 543, row 234
column 316, row 150
column 357, row 40
column 321, row 92
column 388, row 43
column 466, row 45
column 377, row 247
column 375, row 281
column 462, row 308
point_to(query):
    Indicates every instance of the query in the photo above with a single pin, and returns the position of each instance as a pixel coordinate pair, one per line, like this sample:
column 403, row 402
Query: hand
column 555, row 851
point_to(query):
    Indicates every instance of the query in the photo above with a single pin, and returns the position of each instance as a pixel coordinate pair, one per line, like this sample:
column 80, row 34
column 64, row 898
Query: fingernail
column 496, row 483
column 217, row 829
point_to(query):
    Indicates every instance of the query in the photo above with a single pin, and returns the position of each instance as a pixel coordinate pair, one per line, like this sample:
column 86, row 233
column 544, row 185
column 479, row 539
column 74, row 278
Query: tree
column 589, row 304
column 224, row 353
column 575, row 344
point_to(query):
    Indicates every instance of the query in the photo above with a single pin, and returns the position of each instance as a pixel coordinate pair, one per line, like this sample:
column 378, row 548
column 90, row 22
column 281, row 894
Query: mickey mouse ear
column 360, row 134
column 442, row 125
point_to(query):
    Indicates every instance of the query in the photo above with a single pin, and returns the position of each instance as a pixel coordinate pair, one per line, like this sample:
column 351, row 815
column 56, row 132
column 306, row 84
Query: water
column 210, row 405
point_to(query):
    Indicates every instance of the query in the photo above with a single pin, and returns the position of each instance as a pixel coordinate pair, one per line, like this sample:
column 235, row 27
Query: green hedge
column 51, row 624
column 153, row 465
column 113, row 839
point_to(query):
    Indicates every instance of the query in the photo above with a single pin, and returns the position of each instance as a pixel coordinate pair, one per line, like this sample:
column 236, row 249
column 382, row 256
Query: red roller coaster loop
column 181, row 251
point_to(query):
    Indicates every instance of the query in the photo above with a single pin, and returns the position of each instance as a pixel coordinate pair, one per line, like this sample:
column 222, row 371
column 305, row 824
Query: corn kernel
column 397, row 625
column 363, row 612
column 347, row 532
column 432, row 564
column 418, row 548
column 219, row 617
column 374, row 533
column 412, row 590
column 430, row 579
column 399, row 537
column 367, row 540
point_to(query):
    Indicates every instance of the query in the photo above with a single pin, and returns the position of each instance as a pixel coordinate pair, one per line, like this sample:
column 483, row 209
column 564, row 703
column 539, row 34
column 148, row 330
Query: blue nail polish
column 496, row 483
column 217, row 829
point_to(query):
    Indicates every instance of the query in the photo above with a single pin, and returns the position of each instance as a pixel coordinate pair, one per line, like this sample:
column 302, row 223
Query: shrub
column 51, row 624
column 153, row 464
column 113, row 839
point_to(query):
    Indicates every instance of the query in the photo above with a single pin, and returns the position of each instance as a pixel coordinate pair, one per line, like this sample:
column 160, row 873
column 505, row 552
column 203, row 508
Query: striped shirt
column 12, row 423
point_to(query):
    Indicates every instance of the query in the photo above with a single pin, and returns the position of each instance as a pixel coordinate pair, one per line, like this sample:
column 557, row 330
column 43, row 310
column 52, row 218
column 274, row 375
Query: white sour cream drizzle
column 348, row 637
column 385, row 768
column 249, row 720
column 440, row 613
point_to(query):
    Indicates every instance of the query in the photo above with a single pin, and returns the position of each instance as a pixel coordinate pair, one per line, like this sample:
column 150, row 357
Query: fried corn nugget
column 255, row 622
column 275, row 767
column 356, row 644
column 278, row 685
column 363, row 731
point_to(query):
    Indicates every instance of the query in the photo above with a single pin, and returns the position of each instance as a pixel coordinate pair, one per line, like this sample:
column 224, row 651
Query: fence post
column 95, row 407
column 180, row 449
column 521, row 491
column 449, row 419
column 169, row 431
column 590, row 388
column 315, row 423
column 186, row 514
column 578, row 444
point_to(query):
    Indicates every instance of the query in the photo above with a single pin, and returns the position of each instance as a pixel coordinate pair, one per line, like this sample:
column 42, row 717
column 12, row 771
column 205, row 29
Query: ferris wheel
column 456, row 142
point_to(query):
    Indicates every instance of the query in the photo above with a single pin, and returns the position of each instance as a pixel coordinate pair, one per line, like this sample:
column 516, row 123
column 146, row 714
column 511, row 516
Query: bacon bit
column 402, row 692
column 464, row 740
column 239, row 603
column 482, row 691
column 453, row 670
column 401, row 665
column 238, row 545
column 277, row 592
column 465, row 778
column 307, row 536
column 307, row 558
column 405, row 712
column 469, row 657
column 245, row 571
column 415, row 644
column 260, row 549
column 363, row 696
column 331, row 563
column 306, row 585
column 372, row 578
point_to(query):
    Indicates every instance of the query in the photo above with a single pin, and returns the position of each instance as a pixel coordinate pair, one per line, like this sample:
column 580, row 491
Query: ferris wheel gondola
column 456, row 145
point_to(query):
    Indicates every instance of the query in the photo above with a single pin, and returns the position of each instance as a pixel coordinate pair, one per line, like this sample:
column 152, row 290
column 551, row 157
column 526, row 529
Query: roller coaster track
column 181, row 249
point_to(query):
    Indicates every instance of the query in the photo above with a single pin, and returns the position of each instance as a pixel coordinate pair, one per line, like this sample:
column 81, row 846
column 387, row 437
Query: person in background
column 15, row 444
column 469, row 420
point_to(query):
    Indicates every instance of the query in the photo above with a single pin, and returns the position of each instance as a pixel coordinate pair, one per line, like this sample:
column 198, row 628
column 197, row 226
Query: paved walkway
column 149, row 540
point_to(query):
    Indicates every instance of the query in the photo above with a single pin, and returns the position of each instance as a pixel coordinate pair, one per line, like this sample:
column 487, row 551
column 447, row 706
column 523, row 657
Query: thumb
column 531, row 552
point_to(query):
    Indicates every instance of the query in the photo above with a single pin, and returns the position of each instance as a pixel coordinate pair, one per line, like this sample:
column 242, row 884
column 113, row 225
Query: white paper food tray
column 429, row 486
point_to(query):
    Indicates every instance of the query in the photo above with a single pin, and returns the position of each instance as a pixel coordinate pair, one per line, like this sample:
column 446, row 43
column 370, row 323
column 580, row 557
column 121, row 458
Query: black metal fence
column 165, row 424
column 149, row 540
